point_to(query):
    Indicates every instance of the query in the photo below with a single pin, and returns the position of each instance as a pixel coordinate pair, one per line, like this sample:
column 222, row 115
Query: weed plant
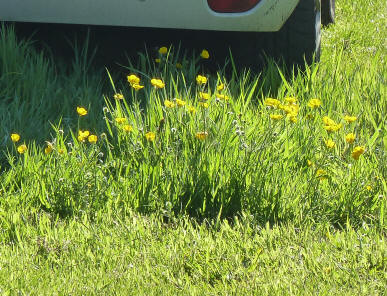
column 180, row 141
column 105, row 184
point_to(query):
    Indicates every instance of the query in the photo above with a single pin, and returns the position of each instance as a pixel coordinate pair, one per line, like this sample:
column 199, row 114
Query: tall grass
column 211, row 157
column 128, row 212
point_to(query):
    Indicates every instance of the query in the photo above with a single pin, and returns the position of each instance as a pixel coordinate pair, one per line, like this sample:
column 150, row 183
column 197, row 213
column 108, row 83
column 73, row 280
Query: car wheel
column 298, row 41
column 327, row 12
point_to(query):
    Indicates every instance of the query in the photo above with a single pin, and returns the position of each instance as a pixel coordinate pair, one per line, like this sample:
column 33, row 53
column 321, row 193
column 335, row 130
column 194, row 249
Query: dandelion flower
column 205, row 54
column 133, row 79
column 201, row 79
column 272, row 102
column 150, row 136
column 163, row 50
column 204, row 95
column 48, row 149
column 180, row 103
column 349, row 118
column 329, row 143
column 22, row 149
column 92, row 139
column 128, row 128
column 350, row 138
column 201, row 135
column 120, row 120
column 157, row 83
column 169, row 104
column 137, row 86
column 276, row 116
column 15, row 138
column 357, row 151
column 81, row 111
column 314, row 103
column 118, row 96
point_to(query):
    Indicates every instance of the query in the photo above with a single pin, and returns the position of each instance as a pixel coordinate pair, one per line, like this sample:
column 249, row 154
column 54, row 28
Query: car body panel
column 268, row 15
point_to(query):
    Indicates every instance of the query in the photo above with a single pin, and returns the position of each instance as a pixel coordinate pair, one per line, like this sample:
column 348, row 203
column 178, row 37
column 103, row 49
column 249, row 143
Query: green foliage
column 117, row 215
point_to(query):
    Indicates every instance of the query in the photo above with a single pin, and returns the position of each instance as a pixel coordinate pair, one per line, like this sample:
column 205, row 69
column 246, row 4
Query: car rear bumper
column 268, row 15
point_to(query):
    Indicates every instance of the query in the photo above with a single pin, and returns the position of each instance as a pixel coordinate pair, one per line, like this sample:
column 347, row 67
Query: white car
column 295, row 23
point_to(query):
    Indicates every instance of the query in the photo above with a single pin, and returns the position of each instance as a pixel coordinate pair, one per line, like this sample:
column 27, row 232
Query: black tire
column 299, row 39
column 328, row 13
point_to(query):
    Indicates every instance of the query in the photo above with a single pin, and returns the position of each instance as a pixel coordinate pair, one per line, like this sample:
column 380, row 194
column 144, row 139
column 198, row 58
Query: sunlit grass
column 223, row 183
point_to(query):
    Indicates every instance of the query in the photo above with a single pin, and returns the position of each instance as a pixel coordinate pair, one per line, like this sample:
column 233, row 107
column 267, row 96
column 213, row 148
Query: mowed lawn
column 170, row 180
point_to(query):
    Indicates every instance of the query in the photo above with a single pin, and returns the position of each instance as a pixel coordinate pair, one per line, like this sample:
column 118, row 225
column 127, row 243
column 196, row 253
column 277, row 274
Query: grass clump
column 171, row 180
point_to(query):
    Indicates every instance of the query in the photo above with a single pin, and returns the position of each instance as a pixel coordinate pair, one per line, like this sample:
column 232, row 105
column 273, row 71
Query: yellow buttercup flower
column 128, row 128
column 192, row 109
column 333, row 127
column 204, row 96
column 180, row 103
column 291, row 100
column 150, row 136
column 15, row 138
column 205, row 54
column 92, row 139
column 314, row 103
column 223, row 97
column 293, row 118
column 276, row 116
column 120, row 120
column 81, row 111
column 320, row 173
column 329, row 143
column 357, row 151
column 272, row 102
column 201, row 79
column 133, row 79
column 350, row 138
column 163, row 50
column 201, row 135
column 137, row 86
column 169, row 104
column 220, row 87
column 328, row 121
column 48, row 149
column 22, row 149
column 349, row 118
column 291, row 110
column 118, row 96
column 82, row 135
column 157, row 83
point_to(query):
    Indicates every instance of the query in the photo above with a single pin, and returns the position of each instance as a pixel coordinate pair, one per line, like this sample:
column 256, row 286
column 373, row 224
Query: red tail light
column 232, row 5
